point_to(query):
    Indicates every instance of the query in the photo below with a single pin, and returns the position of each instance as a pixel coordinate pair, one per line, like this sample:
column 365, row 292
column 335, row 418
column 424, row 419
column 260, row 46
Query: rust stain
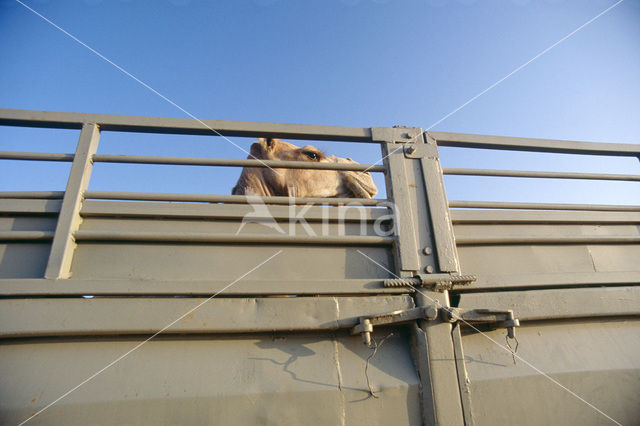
column 34, row 400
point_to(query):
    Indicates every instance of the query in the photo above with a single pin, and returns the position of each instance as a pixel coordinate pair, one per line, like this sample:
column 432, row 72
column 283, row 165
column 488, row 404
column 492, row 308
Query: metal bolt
column 429, row 269
column 431, row 312
column 427, row 251
column 411, row 149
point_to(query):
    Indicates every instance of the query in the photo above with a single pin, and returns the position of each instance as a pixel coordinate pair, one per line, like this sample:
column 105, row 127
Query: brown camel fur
column 300, row 182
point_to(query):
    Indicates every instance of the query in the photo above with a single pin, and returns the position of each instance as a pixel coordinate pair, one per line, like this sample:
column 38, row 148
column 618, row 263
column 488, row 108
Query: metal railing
column 502, row 143
column 67, row 230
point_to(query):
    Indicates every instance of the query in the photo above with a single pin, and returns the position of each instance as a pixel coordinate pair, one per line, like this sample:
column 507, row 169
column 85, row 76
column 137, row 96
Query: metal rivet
column 429, row 269
column 411, row 149
column 427, row 251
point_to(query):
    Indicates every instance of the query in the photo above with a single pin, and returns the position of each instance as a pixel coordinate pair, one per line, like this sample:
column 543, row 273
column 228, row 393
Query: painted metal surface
column 274, row 347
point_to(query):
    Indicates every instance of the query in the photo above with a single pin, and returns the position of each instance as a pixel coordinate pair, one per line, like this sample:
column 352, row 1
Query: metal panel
column 32, row 194
column 6, row 236
column 185, row 262
column 477, row 240
column 241, row 199
column 269, row 378
column 541, row 206
column 535, row 305
column 552, row 217
column 220, row 212
column 193, row 237
column 25, row 259
column 246, row 287
column 26, row 206
column 108, row 316
column 69, row 220
column 489, row 279
column 597, row 360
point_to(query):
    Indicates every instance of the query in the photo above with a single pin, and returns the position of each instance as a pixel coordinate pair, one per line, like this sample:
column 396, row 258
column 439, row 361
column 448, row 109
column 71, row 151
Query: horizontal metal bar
column 133, row 209
column 490, row 216
column 238, row 199
column 80, row 287
column 194, row 161
column 50, row 195
column 25, row 236
column 21, row 207
column 534, row 305
column 193, row 237
column 35, row 156
column 552, row 279
column 539, row 206
column 184, row 126
column 534, row 174
column 129, row 315
column 578, row 239
column 534, row 145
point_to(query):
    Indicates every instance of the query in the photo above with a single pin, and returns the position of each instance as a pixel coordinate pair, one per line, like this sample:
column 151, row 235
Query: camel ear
column 268, row 141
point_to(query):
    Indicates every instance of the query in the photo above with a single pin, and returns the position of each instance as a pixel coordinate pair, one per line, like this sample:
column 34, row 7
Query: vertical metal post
column 405, row 246
column 432, row 343
column 444, row 340
column 439, row 209
column 463, row 377
column 415, row 177
column 63, row 246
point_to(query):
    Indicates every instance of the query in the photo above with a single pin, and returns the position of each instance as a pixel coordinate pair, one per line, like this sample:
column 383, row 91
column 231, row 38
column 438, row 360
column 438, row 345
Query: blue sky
column 356, row 63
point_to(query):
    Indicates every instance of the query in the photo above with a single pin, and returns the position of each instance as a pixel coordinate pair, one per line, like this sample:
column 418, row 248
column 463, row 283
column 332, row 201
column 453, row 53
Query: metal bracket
column 395, row 134
column 437, row 282
column 365, row 325
column 418, row 149
column 496, row 318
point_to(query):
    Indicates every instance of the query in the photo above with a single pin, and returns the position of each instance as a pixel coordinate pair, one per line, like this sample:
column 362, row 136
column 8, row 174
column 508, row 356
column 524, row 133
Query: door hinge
column 494, row 318
column 437, row 282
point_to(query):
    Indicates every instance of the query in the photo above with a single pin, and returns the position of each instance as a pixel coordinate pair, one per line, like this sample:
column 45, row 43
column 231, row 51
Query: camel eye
column 312, row 155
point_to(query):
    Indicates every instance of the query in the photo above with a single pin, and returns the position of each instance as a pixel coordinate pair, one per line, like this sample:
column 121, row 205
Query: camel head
column 300, row 182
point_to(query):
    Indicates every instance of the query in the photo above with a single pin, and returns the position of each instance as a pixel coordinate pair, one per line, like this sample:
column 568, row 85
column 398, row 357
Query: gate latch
column 365, row 325
column 495, row 318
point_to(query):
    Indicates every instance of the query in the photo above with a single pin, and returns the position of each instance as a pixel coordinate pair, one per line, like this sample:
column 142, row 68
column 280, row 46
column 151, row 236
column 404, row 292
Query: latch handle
column 366, row 324
column 499, row 318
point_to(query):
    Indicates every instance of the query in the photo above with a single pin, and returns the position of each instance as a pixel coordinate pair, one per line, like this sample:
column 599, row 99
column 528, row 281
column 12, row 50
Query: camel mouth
column 360, row 184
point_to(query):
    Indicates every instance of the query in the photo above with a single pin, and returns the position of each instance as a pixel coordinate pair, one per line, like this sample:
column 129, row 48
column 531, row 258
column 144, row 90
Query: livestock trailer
column 151, row 308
